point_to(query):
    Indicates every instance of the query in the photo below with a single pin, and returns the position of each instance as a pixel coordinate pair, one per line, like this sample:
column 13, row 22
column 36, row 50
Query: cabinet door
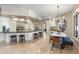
column 12, row 25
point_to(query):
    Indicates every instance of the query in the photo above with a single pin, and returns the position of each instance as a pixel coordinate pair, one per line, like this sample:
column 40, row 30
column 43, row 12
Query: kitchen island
column 29, row 35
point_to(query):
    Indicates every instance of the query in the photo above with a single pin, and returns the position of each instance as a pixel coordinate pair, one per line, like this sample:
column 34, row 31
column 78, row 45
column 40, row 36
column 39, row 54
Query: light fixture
column 21, row 19
column 77, row 10
column 57, row 11
column 57, row 20
column 13, row 16
column 63, row 17
column 59, row 17
column 61, row 23
column 16, row 19
column 27, row 20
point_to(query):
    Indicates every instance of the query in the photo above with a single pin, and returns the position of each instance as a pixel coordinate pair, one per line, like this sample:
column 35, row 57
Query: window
column 76, row 26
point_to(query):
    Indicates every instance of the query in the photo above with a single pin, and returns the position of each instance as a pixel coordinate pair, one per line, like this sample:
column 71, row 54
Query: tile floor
column 40, row 46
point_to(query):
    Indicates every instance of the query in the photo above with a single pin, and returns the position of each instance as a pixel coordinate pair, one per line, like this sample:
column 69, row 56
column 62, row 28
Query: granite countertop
column 21, row 32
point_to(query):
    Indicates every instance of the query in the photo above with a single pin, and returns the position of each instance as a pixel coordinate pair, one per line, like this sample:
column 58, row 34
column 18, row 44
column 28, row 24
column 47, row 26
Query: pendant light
column 57, row 11
column 57, row 14
column 61, row 24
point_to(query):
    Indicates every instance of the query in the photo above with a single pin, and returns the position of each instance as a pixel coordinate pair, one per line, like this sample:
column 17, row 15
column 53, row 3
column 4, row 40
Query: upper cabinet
column 4, row 24
column 16, row 19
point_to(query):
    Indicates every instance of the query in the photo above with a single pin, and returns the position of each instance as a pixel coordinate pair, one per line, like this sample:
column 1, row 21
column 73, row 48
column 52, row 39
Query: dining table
column 58, row 35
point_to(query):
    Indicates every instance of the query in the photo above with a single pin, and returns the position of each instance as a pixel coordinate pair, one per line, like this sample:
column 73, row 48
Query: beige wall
column 0, row 24
column 70, row 28
column 70, row 23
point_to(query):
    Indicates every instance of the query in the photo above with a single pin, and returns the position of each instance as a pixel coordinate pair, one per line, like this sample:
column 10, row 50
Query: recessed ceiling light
column 27, row 20
column 22, row 19
column 59, row 17
column 13, row 16
column 16, row 19
column 77, row 10
column 63, row 17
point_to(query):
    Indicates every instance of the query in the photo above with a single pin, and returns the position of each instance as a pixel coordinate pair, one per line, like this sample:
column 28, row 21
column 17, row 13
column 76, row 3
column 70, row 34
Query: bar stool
column 35, row 35
column 40, row 34
column 21, row 38
column 13, row 38
column 55, row 41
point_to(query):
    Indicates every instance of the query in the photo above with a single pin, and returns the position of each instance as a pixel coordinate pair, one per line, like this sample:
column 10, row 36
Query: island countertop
column 20, row 32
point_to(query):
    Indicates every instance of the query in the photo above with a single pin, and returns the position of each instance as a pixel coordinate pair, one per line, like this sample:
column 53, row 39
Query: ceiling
column 46, row 10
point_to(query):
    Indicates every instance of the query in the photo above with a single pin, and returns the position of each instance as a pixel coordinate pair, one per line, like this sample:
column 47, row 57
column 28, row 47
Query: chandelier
column 57, row 20
column 61, row 23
